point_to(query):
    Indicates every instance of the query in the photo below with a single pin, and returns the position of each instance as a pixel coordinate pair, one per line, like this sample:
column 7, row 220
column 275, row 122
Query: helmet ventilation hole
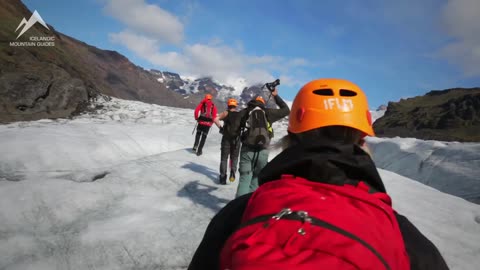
column 347, row 93
column 323, row 92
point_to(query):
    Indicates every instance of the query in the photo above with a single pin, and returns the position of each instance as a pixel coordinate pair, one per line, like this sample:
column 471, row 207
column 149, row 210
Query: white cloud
column 142, row 45
column 222, row 62
column 149, row 49
column 463, row 23
column 147, row 19
column 290, row 81
column 265, row 60
column 427, row 21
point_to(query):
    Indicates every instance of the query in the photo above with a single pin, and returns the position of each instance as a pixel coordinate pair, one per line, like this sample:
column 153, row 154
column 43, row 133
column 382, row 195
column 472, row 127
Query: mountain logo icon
column 28, row 24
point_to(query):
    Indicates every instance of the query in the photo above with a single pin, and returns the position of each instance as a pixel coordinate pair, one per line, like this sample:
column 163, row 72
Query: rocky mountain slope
column 55, row 81
column 447, row 115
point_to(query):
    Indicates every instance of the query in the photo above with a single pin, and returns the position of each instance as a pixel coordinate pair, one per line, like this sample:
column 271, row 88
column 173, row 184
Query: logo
column 33, row 20
column 343, row 104
column 34, row 41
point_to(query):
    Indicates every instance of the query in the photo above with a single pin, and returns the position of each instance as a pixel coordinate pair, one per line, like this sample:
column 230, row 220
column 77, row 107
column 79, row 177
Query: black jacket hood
column 332, row 163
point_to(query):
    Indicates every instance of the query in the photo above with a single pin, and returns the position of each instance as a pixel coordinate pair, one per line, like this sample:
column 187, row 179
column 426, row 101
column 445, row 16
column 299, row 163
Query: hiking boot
column 199, row 152
column 194, row 149
column 222, row 179
column 232, row 176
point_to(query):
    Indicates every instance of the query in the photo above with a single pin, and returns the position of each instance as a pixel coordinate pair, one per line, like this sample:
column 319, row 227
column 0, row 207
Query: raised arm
column 277, row 114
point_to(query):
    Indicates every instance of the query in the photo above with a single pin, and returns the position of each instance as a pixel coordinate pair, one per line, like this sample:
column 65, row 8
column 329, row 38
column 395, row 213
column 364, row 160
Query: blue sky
column 391, row 49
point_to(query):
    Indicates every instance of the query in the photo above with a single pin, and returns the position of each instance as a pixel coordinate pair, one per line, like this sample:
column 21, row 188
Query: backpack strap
column 243, row 124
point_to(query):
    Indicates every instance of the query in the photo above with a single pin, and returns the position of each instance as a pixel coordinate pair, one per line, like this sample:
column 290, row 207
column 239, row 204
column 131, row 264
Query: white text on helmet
column 343, row 104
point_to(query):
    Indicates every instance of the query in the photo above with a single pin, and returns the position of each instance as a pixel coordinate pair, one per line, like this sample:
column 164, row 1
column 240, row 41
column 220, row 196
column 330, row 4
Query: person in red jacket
column 321, row 203
column 204, row 114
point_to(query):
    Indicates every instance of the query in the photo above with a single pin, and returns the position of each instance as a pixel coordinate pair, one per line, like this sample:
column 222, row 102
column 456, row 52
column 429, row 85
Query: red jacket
column 211, row 113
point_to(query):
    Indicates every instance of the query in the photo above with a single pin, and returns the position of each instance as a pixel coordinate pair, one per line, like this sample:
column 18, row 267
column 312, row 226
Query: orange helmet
column 232, row 102
column 208, row 96
column 330, row 102
column 260, row 98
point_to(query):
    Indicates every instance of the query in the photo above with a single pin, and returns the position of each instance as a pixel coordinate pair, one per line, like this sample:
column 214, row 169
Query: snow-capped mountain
column 189, row 86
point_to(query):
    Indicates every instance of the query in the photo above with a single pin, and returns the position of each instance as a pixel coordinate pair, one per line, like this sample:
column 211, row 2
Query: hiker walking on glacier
column 257, row 133
column 230, row 144
column 204, row 114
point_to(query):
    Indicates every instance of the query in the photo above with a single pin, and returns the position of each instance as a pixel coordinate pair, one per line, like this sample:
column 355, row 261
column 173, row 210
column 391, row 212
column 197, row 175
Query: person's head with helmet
column 232, row 104
column 256, row 101
column 260, row 99
column 331, row 109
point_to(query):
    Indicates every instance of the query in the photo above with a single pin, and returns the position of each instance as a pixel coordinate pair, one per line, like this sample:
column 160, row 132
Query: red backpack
column 293, row 223
column 206, row 113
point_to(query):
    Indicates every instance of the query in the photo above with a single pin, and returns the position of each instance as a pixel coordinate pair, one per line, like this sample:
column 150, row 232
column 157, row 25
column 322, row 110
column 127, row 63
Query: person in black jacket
column 230, row 144
column 252, row 159
column 327, row 126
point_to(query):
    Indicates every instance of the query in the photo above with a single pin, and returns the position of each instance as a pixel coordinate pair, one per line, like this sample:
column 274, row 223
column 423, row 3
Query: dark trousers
column 229, row 147
column 201, row 137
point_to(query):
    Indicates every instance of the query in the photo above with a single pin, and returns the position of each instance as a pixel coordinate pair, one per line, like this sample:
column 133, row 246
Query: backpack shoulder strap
column 245, row 116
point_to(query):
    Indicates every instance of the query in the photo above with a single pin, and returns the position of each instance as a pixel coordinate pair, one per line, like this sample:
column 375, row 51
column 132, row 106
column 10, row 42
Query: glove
column 220, row 130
